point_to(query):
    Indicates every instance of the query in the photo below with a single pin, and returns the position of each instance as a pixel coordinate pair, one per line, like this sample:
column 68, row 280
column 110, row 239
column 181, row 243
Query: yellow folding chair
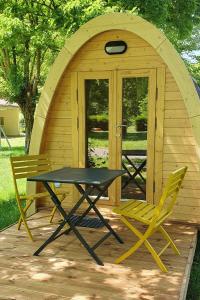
column 24, row 167
column 153, row 216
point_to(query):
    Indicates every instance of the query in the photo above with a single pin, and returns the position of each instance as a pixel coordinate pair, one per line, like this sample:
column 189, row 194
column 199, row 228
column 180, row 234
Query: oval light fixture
column 115, row 47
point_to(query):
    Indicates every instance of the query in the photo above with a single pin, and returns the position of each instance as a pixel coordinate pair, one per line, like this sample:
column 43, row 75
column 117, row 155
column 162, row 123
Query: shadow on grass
column 193, row 292
column 9, row 213
column 15, row 151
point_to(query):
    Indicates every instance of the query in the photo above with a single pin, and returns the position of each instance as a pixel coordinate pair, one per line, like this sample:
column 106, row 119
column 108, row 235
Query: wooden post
column 5, row 136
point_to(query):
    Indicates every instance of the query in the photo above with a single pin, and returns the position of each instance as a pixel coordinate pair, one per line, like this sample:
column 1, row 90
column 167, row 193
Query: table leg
column 50, row 239
column 137, row 172
column 92, row 206
column 139, row 169
column 67, row 221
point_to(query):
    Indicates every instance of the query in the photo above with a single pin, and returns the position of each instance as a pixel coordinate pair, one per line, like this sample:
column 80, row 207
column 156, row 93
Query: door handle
column 121, row 125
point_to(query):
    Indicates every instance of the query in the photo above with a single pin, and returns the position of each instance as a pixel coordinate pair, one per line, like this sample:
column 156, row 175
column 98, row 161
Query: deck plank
column 64, row 270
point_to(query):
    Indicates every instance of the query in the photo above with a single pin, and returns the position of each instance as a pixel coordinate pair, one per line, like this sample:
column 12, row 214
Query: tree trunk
column 29, row 119
column 28, row 110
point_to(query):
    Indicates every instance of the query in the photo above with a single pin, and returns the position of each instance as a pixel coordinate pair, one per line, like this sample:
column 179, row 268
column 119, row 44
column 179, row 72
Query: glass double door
column 116, row 112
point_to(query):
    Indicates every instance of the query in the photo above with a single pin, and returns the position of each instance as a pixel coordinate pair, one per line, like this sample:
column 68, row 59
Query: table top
column 96, row 176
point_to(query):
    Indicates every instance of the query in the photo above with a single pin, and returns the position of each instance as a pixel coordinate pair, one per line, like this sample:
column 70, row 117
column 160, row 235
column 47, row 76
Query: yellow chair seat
column 140, row 211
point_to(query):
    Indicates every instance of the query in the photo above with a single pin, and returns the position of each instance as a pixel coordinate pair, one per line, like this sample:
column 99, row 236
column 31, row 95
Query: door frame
column 82, row 76
column 151, row 122
column 155, row 125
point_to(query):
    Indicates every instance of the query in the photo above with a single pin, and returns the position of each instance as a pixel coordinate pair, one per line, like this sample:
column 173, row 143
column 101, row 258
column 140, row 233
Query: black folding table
column 130, row 156
column 92, row 178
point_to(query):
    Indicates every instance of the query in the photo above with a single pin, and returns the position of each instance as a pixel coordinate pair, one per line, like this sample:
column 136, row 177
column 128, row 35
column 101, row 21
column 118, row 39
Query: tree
column 33, row 31
column 169, row 15
column 190, row 51
column 29, row 38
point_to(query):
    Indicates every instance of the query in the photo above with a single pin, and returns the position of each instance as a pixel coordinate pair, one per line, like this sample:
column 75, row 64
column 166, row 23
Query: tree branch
column 26, row 62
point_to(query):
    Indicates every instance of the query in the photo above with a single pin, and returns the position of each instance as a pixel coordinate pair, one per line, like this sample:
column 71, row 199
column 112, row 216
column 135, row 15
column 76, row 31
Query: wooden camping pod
column 177, row 109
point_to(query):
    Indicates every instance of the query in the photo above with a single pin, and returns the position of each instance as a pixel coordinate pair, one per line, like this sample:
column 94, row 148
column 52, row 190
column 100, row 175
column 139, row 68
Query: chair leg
column 24, row 210
column 52, row 214
column 54, row 210
column 155, row 256
column 142, row 240
column 23, row 219
column 167, row 238
column 136, row 246
column 129, row 252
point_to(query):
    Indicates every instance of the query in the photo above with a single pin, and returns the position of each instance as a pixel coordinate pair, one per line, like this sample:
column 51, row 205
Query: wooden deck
column 64, row 270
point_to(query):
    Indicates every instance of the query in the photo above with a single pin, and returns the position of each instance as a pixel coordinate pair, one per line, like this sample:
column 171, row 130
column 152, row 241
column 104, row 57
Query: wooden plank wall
column 92, row 57
column 57, row 140
column 179, row 143
column 180, row 150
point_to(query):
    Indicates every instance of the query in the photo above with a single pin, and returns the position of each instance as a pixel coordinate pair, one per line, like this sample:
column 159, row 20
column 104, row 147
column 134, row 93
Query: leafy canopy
column 33, row 31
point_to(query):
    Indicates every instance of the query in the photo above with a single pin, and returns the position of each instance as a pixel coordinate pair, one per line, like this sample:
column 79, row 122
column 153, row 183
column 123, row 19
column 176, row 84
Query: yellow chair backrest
column 170, row 192
column 28, row 165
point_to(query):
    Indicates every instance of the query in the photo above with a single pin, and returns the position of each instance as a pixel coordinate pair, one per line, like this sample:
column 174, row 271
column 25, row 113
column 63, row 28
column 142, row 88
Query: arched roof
column 119, row 21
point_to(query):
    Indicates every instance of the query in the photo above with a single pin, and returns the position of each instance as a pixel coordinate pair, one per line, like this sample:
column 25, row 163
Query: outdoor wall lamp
column 115, row 47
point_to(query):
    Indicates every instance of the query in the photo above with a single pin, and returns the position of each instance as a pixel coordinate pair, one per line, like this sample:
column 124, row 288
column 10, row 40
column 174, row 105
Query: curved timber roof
column 138, row 26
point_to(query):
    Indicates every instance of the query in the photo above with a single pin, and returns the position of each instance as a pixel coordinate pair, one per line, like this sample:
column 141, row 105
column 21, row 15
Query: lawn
column 193, row 292
column 98, row 142
column 8, row 208
column 131, row 140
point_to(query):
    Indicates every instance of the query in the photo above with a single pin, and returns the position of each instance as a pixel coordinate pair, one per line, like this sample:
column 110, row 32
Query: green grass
column 9, row 213
column 193, row 292
column 8, row 206
column 99, row 140
column 132, row 139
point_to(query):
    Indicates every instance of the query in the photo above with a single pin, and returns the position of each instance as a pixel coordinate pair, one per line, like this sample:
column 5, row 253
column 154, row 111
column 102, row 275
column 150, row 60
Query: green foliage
column 97, row 96
column 98, row 121
column 169, row 15
column 33, row 31
column 78, row 12
column 98, row 118
column 28, row 32
column 190, row 50
column 141, row 123
column 134, row 98
column 9, row 213
column 31, row 34
column 194, row 69
column 143, row 106
column 193, row 292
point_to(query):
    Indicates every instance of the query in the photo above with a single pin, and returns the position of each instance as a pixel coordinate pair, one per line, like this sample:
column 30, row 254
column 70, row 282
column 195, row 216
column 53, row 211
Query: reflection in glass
column 134, row 136
column 97, row 101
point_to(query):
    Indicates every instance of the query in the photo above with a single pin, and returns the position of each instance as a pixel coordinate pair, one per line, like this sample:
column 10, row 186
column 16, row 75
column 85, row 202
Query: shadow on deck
column 64, row 270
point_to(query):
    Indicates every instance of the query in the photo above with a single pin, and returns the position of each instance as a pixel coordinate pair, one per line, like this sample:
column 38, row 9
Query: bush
column 98, row 121
column 141, row 123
